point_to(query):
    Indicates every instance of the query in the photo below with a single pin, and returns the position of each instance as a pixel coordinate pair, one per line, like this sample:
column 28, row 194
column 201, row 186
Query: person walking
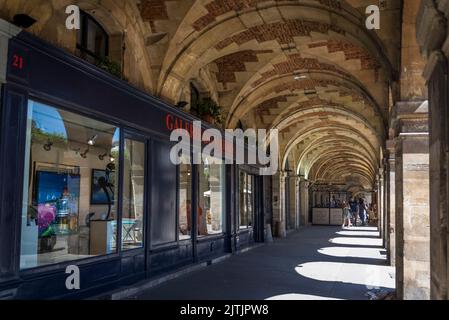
column 362, row 211
column 354, row 209
column 346, row 215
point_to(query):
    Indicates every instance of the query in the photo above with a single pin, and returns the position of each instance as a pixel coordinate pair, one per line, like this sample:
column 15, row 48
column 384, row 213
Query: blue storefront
column 86, row 180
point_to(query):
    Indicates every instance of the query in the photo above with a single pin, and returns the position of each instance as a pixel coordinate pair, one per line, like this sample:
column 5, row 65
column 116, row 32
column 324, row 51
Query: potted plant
column 45, row 219
column 209, row 111
column 110, row 66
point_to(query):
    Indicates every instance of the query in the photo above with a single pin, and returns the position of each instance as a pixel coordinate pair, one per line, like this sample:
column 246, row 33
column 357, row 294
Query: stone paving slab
column 314, row 263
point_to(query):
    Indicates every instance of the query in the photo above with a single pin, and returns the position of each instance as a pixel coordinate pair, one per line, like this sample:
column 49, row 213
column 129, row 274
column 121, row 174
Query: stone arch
column 188, row 48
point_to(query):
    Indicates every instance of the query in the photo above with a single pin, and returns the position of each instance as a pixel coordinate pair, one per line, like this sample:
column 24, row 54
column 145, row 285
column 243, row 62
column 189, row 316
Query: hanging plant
column 110, row 66
column 209, row 111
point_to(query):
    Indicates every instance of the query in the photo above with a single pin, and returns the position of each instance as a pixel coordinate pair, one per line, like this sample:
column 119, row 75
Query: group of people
column 353, row 211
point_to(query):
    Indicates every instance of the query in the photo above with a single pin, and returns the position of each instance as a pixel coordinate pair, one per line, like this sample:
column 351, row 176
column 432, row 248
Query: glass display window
column 185, row 201
column 68, row 214
column 246, row 199
column 211, row 196
column 133, row 203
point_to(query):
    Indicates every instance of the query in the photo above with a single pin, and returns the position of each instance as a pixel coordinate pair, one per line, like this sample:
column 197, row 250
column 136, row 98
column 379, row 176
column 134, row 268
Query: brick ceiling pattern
column 294, row 63
column 283, row 32
column 271, row 104
column 153, row 10
column 217, row 8
column 308, row 84
column 235, row 62
column 350, row 51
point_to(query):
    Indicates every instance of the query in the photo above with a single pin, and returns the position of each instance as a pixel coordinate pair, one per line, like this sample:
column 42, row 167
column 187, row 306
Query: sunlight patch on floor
column 371, row 276
column 358, row 233
column 366, row 242
column 364, row 253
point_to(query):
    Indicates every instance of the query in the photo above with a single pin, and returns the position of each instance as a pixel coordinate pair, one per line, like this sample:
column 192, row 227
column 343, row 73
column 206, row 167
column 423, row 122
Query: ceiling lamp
column 299, row 76
column 91, row 141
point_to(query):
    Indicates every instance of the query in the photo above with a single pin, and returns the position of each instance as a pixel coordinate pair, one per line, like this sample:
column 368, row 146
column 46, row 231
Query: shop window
column 185, row 201
column 246, row 199
column 133, row 194
column 70, row 187
column 211, row 198
column 92, row 40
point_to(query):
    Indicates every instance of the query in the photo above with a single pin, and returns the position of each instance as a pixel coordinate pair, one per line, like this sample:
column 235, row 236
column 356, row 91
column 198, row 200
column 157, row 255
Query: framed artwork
column 102, row 182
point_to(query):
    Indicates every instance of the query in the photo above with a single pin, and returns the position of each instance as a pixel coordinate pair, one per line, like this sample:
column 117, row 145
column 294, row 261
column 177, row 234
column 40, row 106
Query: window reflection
column 211, row 198
column 185, row 201
column 246, row 199
column 70, row 187
column 133, row 194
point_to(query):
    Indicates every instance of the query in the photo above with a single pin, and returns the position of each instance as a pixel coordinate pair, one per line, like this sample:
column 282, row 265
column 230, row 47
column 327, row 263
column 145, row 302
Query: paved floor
column 313, row 263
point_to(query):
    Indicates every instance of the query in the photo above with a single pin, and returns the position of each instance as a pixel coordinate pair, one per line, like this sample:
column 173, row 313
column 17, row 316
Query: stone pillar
column 433, row 39
column 279, row 209
column 298, row 221
column 412, row 201
column 390, row 203
column 292, row 201
column 386, row 223
column 304, row 194
column 380, row 206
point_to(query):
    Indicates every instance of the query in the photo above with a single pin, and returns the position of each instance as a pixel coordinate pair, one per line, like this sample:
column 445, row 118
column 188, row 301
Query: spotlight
column 84, row 154
column 299, row 76
column 101, row 156
column 111, row 158
column 91, row 141
column 23, row 20
column 48, row 145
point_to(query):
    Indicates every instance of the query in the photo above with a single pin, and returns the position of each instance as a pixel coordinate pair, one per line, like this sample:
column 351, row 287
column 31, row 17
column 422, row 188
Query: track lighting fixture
column 48, row 145
column 92, row 140
column 84, row 154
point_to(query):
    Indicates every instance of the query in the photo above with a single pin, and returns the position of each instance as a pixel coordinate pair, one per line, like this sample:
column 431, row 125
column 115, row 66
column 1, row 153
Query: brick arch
column 312, row 150
column 321, row 128
column 188, row 49
column 287, row 86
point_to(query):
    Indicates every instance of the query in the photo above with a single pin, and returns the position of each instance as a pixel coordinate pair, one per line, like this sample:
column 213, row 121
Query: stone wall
column 433, row 39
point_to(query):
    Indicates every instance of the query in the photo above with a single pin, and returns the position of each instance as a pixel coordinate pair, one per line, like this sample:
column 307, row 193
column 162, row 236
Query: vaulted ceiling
column 309, row 68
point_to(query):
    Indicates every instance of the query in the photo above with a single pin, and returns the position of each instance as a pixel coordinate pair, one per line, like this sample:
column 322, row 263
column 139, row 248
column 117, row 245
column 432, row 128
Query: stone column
column 292, row 201
column 412, row 201
column 298, row 202
column 433, row 39
column 390, row 203
column 279, row 209
column 304, row 194
column 386, row 223
column 380, row 203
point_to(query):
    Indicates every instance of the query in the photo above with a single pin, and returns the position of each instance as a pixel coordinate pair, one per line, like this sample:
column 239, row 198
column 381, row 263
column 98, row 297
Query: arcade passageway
column 361, row 113
column 312, row 263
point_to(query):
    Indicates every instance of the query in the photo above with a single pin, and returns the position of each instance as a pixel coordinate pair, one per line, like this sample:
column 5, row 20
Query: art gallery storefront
column 86, row 180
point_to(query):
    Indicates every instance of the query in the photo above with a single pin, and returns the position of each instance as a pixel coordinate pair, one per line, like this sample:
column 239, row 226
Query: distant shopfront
column 86, row 180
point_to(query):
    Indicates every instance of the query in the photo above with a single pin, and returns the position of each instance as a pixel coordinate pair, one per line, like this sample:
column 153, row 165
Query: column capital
column 431, row 28
column 409, row 118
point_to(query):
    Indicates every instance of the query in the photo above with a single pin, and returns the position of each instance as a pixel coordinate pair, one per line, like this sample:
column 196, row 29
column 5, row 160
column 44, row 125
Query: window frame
column 84, row 29
column 118, row 253
column 178, row 202
column 131, row 134
column 223, row 201
column 252, row 177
